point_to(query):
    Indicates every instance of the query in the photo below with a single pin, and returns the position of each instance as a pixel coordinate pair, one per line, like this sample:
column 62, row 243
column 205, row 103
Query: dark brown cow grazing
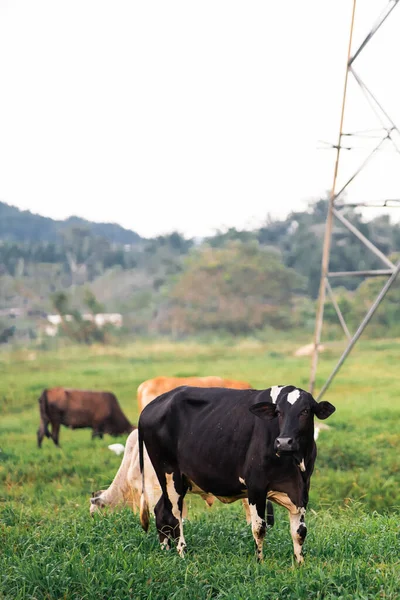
column 78, row 409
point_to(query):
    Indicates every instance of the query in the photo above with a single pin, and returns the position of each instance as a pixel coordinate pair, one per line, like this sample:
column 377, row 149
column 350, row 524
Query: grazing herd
column 209, row 436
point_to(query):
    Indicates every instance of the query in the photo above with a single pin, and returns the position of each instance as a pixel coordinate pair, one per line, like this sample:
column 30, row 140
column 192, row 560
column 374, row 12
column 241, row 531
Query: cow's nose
column 284, row 444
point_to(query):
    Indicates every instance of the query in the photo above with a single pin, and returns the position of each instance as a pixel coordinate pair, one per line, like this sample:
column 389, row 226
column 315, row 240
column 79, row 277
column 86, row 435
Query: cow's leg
column 258, row 525
column 162, row 514
column 97, row 431
column 298, row 530
column 270, row 514
column 245, row 503
column 55, row 432
column 168, row 510
column 40, row 435
column 176, row 490
column 43, row 430
column 298, row 527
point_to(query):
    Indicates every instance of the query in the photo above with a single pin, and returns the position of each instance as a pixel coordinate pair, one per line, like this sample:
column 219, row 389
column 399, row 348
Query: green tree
column 82, row 331
column 237, row 288
column 60, row 302
column 386, row 320
column 92, row 303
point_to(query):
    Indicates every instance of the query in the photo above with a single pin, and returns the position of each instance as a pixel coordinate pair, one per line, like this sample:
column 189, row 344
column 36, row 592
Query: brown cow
column 150, row 389
column 77, row 409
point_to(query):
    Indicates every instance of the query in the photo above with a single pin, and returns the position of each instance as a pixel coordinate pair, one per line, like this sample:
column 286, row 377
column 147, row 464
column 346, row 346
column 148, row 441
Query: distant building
column 103, row 318
column 12, row 312
column 56, row 319
column 100, row 319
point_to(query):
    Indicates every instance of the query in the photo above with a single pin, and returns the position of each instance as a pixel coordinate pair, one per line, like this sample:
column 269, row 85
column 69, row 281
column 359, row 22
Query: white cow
column 126, row 487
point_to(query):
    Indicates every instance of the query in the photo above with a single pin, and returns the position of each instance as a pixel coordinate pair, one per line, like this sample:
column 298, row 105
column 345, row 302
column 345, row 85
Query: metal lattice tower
column 389, row 133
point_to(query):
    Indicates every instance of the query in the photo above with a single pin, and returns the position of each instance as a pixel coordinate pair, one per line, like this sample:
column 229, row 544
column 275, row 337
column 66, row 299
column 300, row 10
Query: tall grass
column 50, row 548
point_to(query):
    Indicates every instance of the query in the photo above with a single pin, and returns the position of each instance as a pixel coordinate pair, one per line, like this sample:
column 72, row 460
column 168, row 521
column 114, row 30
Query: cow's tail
column 144, row 501
column 44, row 419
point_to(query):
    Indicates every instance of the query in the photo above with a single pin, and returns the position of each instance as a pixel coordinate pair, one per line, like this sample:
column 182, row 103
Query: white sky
column 181, row 115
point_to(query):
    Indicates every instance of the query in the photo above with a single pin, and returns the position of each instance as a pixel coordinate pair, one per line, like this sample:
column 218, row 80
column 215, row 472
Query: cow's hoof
column 165, row 545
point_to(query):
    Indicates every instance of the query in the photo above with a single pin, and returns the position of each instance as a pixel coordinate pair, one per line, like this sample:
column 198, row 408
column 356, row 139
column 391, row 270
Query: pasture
column 50, row 548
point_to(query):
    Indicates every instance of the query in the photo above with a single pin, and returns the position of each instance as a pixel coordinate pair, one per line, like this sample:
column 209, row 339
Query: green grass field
column 51, row 548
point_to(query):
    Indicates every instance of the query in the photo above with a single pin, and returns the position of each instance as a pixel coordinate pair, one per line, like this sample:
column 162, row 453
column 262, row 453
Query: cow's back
column 152, row 388
column 80, row 408
column 187, row 405
column 86, row 407
column 193, row 426
column 56, row 397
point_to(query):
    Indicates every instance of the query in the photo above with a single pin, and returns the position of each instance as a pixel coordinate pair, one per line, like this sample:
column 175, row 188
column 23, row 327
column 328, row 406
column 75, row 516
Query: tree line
column 236, row 281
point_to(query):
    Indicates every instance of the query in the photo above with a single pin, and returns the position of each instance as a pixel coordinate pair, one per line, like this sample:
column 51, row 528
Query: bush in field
column 74, row 326
column 387, row 317
column 237, row 288
column 355, row 305
column 346, row 303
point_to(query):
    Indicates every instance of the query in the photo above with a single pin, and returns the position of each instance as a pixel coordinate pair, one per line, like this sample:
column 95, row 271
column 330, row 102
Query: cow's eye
column 305, row 411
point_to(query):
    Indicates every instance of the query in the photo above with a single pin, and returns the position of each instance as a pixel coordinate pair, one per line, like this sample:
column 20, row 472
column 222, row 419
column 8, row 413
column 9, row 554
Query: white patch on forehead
column 275, row 391
column 293, row 396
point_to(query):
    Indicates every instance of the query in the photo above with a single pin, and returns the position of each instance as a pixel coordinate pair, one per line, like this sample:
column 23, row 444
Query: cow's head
column 295, row 409
column 96, row 502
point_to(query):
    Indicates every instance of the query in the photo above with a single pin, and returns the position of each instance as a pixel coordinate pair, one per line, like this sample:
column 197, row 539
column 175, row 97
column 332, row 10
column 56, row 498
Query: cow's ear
column 264, row 410
column 324, row 409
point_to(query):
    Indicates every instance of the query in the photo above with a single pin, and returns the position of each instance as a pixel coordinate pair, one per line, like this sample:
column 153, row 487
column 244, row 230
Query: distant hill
column 23, row 226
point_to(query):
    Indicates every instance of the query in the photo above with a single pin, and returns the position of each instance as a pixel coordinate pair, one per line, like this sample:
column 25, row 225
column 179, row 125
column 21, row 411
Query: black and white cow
column 254, row 444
